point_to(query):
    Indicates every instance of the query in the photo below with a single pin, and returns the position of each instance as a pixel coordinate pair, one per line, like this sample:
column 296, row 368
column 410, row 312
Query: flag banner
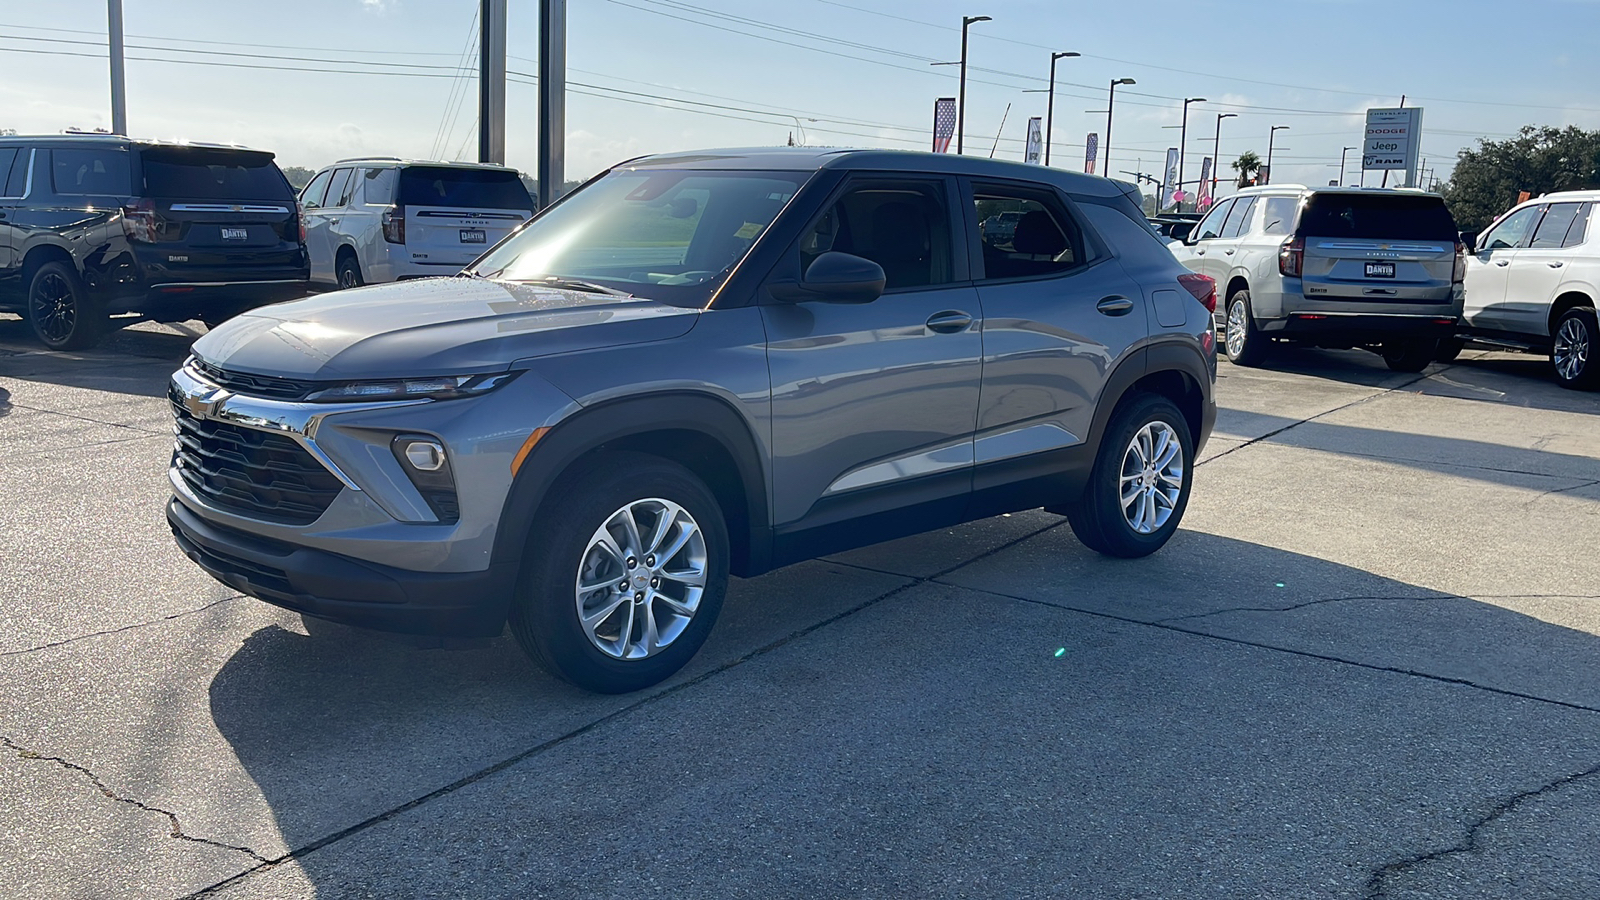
column 1205, row 183
column 1035, row 147
column 944, row 123
column 1170, row 192
column 1091, row 152
column 1263, row 175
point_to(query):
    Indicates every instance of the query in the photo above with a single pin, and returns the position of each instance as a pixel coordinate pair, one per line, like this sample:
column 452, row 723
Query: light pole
column 119, row 90
column 1343, row 154
column 1050, row 106
column 961, row 103
column 1272, row 136
column 1111, row 107
column 1216, row 152
column 1183, row 142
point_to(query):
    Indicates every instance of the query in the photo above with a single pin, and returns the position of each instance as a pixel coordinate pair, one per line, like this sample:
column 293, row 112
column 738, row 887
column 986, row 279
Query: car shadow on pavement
column 1043, row 720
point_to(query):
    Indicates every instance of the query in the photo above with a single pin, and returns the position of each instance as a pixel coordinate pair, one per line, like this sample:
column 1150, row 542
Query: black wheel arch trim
column 1175, row 355
column 614, row 421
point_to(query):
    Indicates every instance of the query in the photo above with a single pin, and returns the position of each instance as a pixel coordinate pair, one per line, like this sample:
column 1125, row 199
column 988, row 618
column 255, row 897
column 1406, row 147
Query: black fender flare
column 1175, row 355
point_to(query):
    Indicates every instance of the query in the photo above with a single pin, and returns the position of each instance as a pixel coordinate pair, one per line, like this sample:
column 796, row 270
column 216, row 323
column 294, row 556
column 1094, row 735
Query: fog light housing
column 428, row 466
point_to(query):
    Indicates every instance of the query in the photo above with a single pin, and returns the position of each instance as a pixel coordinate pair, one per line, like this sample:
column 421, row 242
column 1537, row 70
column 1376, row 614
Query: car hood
column 435, row 326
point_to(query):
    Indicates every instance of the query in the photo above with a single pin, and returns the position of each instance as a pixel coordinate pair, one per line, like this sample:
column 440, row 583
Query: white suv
column 1332, row 267
column 384, row 219
column 1532, row 282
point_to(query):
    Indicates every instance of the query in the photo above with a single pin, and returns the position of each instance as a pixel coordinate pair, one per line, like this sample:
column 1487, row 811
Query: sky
column 650, row 76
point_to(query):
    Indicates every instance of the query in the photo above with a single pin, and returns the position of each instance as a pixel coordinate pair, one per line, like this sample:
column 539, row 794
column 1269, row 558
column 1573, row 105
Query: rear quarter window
column 95, row 170
column 1377, row 217
column 204, row 174
column 468, row 188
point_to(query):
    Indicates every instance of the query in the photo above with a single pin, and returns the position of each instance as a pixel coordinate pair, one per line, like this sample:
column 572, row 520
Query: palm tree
column 1247, row 165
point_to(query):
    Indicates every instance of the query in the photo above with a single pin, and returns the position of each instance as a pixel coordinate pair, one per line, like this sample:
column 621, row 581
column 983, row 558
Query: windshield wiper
column 573, row 284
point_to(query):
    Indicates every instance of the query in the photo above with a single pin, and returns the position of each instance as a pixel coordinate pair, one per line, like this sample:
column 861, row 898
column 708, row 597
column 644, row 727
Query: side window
column 8, row 161
column 345, row 188
column 1211, row 226
column 311, row 197
column 97, row 170
column 1580, row 227
column 378, row 186
column 903, row 226
column 1279, row 215
column 1552, row 231
column 17, row 181
column 1511, row 230
column 1041, row 238
column 1239, row 218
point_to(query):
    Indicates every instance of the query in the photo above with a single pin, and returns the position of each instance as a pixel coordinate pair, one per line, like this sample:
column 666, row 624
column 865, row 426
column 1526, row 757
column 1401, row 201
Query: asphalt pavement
column 1365, row 667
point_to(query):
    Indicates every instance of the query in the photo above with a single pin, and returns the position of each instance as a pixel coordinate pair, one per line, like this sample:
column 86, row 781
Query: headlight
column 446, row 388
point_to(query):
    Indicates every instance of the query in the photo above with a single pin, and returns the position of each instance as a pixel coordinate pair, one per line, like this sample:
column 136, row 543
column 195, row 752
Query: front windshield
column 669, row 235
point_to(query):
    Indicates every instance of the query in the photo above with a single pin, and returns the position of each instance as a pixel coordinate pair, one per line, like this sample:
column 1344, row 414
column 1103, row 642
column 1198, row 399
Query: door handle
column 1229, row 252
column 1557, row 264
column 1115, row 306
column 1199, row 253
column 1502, row 262
column 2, row 214
column 949, row 322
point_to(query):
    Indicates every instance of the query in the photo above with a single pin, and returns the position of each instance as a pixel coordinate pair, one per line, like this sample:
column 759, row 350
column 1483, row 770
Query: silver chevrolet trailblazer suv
column 697, row 365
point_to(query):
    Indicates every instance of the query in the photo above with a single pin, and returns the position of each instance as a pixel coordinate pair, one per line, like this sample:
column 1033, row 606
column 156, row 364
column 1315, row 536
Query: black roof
column 804, row 159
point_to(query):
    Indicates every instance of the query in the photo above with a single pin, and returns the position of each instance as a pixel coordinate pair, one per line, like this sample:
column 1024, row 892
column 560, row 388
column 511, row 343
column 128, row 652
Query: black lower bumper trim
column 1362, row 329
column 340, row 589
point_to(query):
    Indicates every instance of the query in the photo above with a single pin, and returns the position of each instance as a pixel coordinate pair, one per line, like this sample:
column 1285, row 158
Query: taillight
column 394, row 225
column 1292, row 257
column 139, row 221
column 1459, row 275
column 300, row 216
column 1203, row 287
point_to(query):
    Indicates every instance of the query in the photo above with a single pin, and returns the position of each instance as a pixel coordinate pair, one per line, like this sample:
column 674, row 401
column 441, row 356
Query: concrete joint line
column 1284, row 609
column 1375, row 884
column 95, row 634
column 1272, row 434
column 1575, row 487
column 55, row 412
column 175, row 828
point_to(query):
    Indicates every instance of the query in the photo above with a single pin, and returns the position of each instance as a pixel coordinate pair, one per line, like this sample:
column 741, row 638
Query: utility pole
column 492, row 82
column 119, row 87
column 961, row 101
column 1050, row 106
column 1216, row 153
column 1183, row 142
column 552, row 99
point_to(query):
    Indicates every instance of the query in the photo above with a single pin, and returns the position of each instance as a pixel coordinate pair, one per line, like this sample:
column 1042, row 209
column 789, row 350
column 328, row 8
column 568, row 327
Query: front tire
column 1572, row 352
column 62, row 314
column 1409, row 356
column 1241, row 339
column 1139, row 486
column 625, row 574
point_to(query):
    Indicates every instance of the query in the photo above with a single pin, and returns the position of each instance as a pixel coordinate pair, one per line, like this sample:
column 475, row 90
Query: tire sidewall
column 84, row 330
column 545, row 616
column 348, row 263
column 1589, row 376
column 1106, row 492
column 1240, row 298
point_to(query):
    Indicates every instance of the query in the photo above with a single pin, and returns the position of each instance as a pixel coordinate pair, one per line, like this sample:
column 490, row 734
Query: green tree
column 1487, row 181
column 1247, row 165
column 299, row 176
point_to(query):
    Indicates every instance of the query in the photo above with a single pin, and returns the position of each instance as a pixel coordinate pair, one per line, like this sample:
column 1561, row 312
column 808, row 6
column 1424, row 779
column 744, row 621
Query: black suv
column 96, row 225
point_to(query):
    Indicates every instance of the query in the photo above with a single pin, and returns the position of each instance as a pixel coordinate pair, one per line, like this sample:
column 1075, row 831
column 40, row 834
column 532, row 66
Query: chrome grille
column 253, row 473
column 254, row 385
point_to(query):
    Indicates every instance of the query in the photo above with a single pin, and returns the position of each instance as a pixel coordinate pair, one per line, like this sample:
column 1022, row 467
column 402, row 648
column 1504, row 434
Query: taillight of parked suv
column 394, row 225
column 139, row 221
column 1292, row 257
column 300, row 217
column 1459, row 275
column 1203, row 287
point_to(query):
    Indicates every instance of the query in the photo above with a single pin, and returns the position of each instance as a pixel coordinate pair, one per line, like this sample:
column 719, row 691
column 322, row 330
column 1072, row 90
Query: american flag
column 944, row 123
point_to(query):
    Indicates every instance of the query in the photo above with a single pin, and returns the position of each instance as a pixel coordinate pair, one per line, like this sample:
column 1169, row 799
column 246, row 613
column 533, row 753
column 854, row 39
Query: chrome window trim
column 228, row 207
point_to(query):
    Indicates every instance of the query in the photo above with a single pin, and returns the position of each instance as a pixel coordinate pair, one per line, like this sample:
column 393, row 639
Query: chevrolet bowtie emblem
column 203, row 404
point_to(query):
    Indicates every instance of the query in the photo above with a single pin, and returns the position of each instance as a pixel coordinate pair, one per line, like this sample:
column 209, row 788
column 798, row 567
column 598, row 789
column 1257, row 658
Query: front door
column 873, row 404
column 1489, row 270
column 1205, row 255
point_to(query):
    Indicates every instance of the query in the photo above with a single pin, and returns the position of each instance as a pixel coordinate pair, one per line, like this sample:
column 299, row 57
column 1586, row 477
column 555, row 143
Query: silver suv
column 1333, row 267
column 695, row 365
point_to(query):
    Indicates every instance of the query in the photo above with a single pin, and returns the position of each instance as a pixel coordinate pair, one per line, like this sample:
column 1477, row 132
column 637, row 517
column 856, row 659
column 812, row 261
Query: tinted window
column 311, row 197
column 1045, row 240
column 903, row 226
column 1211, row 225
column 8, row 158
column 1279, row 215
column 195, row 173
column 1580, row 227
column 470, row 188
column 100, row 170
column 1553, row 228
column 1377, row 217
column 378, row 186
column 338, row 187
column 1239, row 218
column 1511, row 230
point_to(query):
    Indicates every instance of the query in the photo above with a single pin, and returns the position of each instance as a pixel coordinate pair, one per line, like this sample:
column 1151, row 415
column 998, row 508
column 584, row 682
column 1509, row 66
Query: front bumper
column 1361, row 328
column 340, row 589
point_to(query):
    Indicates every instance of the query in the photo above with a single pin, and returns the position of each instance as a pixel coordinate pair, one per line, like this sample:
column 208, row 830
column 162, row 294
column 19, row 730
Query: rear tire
column 581, row 553
column 1139, row 487
column 349, row 272
column 1409, row 356
column 60, row 310
column 1449, row 350
column 1573, row 349
column 1241, row 339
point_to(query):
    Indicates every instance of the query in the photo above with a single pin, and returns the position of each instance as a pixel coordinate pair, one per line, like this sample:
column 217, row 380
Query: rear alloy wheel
column 1409, row 356
column 349, row 272
column 1139, row 486
column 624, row 582
column 1572, row 352
column 62, row 314
column 1244, row 343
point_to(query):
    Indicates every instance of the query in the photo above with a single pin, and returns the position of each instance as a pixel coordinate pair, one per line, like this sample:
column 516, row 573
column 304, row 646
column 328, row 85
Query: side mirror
column 1192, row 238
column 1471, row 240
column 834, row 277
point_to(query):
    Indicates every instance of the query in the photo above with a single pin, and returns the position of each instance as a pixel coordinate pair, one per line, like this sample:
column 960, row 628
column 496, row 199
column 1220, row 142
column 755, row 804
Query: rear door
column 311, row 200
column 1489, row 270
column 454, row 213
column 1538, row 270
column 219, row 215
column 1379, row 252
column 13, row 184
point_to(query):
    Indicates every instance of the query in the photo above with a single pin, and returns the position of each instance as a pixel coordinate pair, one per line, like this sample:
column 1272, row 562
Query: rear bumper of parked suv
column 1362, row 328
column 353, row 592
column 145, row 280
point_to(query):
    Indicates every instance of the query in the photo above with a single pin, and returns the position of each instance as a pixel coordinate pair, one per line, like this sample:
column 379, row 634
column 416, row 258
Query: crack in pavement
column 175, row 828
column 1318, row 602
column 642, row 703
column 55, row 412
column 1375, row 884
column 1575, row 487
column 94, row 634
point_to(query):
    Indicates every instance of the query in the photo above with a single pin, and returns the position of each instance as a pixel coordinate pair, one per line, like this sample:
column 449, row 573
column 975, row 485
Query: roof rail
column 1273, row 187
column 366, row 158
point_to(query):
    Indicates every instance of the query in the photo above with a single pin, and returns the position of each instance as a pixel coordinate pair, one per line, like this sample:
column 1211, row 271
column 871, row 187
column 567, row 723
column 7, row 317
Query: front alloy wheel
column 1139, row 485
column 641, row 579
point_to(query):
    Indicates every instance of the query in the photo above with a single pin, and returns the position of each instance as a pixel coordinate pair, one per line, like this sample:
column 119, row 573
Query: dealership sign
column 1393, row 138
